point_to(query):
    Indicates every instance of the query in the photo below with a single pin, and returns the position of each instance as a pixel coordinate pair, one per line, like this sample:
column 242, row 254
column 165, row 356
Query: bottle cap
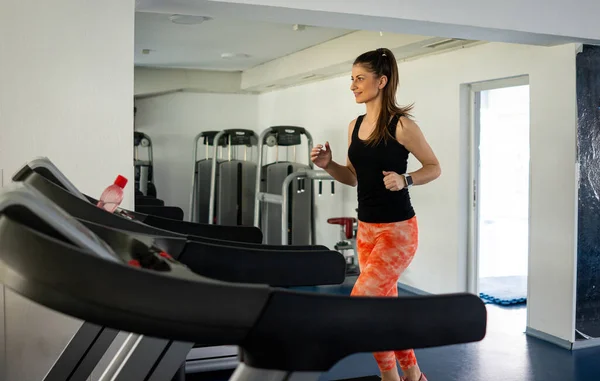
column 121, row 181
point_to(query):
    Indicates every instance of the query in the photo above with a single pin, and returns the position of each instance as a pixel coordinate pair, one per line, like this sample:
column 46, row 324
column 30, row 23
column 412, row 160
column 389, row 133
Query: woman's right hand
column 321, row 156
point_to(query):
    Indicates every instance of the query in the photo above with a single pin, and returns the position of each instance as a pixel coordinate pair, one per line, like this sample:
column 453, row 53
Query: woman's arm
column 345, row 174
column 410, row 136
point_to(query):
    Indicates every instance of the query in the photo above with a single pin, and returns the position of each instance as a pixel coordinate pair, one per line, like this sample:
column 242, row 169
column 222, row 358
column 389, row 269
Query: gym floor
column 506, row 354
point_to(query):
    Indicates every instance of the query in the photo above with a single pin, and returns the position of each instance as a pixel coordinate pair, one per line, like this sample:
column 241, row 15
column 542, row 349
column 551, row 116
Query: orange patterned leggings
column 384, row 251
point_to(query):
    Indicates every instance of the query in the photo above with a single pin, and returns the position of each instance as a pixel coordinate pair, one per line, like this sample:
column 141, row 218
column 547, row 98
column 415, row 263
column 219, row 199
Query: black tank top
column 376, row 204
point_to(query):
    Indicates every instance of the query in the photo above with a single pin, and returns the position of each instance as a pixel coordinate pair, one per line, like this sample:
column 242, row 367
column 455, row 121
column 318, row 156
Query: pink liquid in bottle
column 112, row 196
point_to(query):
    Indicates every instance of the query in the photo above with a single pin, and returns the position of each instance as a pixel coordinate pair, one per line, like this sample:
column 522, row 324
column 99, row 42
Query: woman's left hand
column 393, row 181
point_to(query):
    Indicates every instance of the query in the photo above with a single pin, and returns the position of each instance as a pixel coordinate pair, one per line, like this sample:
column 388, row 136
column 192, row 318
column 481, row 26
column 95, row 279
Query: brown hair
column 382, row 62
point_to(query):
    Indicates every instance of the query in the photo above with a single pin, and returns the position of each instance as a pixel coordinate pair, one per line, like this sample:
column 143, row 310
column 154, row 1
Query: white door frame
column 475, row 90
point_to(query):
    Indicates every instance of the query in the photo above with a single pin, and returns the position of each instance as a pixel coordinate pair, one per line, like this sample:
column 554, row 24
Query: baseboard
column 566, row 344
column 412, row 290
column 583, row 344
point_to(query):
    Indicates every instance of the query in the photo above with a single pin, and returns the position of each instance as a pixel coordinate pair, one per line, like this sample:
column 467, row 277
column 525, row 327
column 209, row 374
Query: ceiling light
column 230, row 56
column 188, row 20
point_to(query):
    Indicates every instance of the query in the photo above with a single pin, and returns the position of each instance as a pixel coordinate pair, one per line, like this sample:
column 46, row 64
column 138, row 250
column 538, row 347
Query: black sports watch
column 408, row 180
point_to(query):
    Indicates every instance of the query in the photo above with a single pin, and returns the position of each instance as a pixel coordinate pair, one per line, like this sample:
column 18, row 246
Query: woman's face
column 365, row 84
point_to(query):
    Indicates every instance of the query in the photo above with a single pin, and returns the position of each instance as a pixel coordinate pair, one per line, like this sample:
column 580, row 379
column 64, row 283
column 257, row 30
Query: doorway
column 500, row 192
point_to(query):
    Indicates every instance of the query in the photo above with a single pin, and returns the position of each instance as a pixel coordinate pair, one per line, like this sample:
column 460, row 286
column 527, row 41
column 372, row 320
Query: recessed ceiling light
column 230, row 56
column 188, row 20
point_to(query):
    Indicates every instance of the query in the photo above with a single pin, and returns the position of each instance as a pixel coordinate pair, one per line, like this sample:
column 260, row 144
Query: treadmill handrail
column 288, row 268
column 23, row 195
column 70, row 280
column 313, row 332
column 45, row 163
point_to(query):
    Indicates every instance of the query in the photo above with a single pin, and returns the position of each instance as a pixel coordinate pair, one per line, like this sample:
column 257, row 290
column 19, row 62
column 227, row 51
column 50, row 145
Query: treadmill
column 86, row 271
column 223, row 260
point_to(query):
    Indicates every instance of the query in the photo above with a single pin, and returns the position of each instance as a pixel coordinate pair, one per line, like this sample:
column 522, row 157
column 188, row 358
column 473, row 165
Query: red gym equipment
column 349, row 226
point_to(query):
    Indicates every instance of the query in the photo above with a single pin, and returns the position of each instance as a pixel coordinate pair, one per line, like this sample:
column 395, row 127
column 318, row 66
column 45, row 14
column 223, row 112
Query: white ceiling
column 201, row 46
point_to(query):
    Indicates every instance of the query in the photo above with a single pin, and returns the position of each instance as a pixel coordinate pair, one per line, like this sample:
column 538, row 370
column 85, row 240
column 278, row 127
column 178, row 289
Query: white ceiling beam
column 335, row 57
column 151, row 81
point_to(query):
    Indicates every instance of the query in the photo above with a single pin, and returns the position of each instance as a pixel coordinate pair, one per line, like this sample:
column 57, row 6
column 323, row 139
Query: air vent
column 446, row 42
column 188, row 20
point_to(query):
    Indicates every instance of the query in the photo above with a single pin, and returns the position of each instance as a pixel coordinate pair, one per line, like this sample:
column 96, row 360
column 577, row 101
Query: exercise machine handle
column 346, row 222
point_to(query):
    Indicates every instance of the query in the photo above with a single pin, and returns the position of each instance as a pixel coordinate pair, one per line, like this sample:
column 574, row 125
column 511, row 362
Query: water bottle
column 112, row 196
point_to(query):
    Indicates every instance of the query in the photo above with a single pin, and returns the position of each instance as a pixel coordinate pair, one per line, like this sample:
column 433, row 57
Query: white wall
column 172, row 121
column 434, row 83
column 66, row 92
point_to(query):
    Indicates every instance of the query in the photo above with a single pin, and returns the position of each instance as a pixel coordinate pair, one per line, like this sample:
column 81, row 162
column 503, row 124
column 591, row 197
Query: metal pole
column 192, row 193
column 261, row 138
column 310, row 143
column 213, row 178
column 254, row 136
column 270, row 198
column 150, row 164
column 144, row 178
column 309, row 139
column 150, row 150
column 285, row 202
column 229, row 148
column 317, row 174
